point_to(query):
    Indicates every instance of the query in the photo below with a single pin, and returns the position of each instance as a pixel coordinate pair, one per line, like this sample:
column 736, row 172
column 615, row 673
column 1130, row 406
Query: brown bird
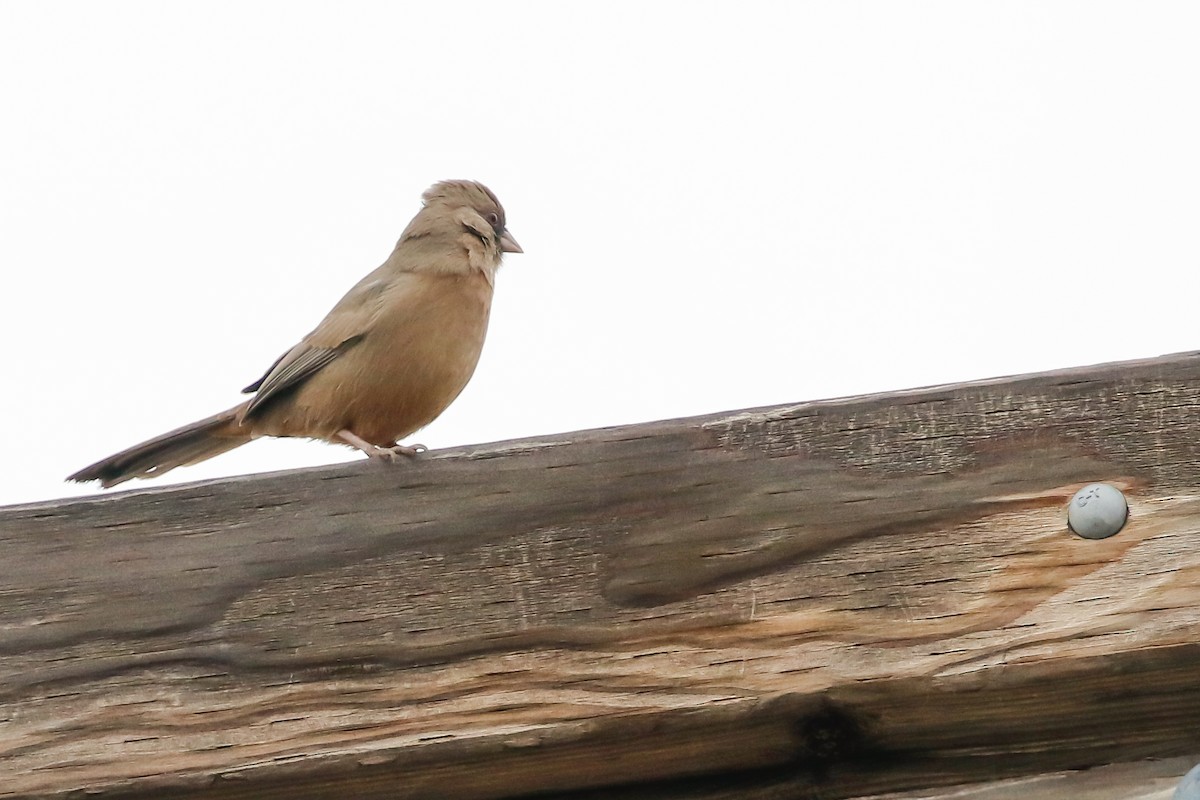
column 385, row 362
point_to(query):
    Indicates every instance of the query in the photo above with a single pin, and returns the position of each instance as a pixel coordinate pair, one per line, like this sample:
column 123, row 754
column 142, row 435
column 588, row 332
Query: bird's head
column 461, row 228
column 476, row 208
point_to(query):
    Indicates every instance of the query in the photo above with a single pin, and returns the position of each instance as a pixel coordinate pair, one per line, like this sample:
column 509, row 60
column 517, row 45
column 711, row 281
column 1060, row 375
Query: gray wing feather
column 293, row 369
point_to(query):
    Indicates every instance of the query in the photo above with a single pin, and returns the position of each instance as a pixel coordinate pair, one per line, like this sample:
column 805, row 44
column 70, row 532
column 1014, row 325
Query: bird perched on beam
column 385, row 362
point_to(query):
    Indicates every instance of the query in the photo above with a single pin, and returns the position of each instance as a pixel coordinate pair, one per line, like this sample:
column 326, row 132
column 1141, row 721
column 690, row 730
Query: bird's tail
column 187, row 445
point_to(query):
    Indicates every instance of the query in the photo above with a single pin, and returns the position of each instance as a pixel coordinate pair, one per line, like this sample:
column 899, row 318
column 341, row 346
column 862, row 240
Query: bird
column 386, row 361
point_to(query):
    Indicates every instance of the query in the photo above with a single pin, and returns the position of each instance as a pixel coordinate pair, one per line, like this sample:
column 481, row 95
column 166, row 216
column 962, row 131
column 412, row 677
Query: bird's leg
column 375, row 451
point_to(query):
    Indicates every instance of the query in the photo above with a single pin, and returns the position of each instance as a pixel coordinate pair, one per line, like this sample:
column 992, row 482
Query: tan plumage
column 384, row 363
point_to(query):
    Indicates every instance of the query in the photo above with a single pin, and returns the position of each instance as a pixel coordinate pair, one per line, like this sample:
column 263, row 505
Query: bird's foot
column 392, row 453
column 397, row 451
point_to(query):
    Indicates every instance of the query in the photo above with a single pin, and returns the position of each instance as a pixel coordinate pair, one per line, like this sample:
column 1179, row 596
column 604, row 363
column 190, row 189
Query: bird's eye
column 493, row 218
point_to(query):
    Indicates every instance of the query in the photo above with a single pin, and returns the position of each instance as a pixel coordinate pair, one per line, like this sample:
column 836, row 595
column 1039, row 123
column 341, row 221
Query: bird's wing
column 296, row 366
column 254, row 387
column 345, row 326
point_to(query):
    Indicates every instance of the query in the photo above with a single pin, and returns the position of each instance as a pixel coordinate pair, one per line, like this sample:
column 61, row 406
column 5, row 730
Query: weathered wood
column 851, row 596
column 1142, row 780
column 1145, row 780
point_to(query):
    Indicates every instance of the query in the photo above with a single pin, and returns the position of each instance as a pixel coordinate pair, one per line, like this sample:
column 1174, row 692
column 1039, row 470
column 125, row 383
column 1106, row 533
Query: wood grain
column 841, row 597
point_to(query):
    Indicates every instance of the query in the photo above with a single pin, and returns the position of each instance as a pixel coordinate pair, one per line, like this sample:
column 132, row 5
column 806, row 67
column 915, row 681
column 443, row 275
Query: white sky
column 722, row 205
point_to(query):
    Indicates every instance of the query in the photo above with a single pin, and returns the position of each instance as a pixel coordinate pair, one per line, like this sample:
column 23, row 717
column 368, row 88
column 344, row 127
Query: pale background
column 722, row 205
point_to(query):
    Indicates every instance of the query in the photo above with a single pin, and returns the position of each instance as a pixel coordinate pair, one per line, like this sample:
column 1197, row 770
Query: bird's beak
column 508, row 244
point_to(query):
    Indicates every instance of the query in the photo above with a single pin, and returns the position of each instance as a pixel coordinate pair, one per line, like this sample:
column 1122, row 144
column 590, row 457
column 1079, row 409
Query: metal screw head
column 1097, row 511
column 1189, row 787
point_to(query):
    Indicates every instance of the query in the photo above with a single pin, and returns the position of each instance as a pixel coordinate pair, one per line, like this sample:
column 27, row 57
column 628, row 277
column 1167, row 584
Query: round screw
column 1097, row 511
column 1189, row 786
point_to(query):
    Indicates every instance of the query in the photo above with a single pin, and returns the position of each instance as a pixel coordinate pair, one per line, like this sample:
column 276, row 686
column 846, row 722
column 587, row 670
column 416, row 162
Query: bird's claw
column 397, row 451
column 378, row 452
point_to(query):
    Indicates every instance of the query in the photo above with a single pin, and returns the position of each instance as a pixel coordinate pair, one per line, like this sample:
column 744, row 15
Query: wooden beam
column 1146, row 780
column 850, row 596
